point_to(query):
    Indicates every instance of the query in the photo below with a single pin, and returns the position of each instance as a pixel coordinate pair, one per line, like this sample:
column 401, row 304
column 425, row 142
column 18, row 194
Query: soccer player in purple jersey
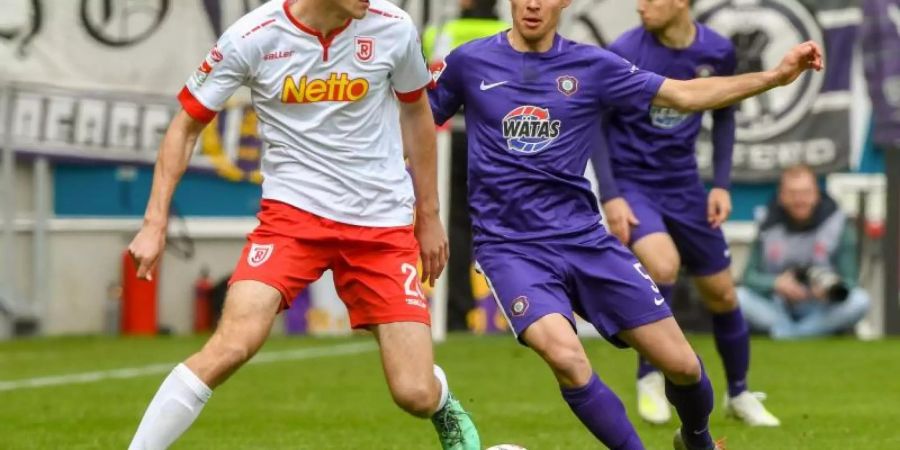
column 532, row 104
column 655, row 202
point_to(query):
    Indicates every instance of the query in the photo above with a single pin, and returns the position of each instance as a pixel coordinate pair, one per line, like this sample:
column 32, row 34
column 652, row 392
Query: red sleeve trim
column 194, row 108
column 410, row 97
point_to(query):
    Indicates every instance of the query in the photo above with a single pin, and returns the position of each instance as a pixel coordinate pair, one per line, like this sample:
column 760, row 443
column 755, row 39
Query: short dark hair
column 481, row 9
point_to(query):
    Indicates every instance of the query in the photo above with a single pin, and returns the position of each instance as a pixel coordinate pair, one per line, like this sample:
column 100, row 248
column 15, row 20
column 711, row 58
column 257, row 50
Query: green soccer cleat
column 455, row 428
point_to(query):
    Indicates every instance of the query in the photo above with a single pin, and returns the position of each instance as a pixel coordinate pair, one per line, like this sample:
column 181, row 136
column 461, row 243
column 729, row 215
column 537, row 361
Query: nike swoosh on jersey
column 659, row 301
column 486, row 87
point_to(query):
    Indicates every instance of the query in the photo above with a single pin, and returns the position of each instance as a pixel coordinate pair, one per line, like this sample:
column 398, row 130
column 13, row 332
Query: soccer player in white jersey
column 338, row 88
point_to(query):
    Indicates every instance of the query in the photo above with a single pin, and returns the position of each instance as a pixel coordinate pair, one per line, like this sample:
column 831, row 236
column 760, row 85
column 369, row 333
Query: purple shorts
column 682, row 214
column 594, row 276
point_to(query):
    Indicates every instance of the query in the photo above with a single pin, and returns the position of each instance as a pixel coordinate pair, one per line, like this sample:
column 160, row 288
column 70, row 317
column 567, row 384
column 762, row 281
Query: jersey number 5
column 641, row 270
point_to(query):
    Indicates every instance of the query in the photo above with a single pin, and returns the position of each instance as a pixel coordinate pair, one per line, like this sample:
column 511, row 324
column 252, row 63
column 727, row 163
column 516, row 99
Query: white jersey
column 327, row 107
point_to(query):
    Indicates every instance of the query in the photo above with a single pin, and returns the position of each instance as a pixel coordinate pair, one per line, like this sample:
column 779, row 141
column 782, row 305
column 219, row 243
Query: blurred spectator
column 477, row 19
column 800, row 280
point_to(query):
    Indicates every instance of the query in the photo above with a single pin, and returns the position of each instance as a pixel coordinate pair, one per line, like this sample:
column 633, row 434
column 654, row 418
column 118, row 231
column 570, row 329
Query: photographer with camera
column 800, row 280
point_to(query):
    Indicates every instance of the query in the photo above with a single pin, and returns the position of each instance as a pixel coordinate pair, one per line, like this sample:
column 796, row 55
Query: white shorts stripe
column 496, row 298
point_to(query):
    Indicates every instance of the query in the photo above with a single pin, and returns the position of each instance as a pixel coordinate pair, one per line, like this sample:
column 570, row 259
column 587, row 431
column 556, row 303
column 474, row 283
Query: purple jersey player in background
column 655, row 202
column 532, row 103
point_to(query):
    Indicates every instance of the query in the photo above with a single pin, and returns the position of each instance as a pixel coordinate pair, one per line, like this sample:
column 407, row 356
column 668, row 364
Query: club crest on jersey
column 519, row 306
column 259, row 253
column 529, row 129
column 567, row 84
column 365, row 48
column 336, row 88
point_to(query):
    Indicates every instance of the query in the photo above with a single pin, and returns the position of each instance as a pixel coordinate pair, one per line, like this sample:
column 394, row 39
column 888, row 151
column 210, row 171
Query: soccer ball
column 506, row 447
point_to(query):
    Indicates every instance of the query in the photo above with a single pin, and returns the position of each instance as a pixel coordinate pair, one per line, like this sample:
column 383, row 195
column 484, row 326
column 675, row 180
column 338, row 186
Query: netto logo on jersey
column 337, row 88
column 529, row 129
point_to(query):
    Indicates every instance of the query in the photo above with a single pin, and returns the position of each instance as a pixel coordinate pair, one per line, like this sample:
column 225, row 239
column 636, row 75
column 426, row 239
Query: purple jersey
column 532, row 122
column 656, row 149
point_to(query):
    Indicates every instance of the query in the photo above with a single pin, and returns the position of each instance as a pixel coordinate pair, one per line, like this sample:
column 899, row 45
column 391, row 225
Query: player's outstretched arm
column 172, row 161
column 420, row 145
column 716, row 92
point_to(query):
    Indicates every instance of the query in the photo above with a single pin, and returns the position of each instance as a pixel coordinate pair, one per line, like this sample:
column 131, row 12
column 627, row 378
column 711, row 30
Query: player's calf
column 420, row 399
column 687, row 386
column 250, row 309
column 694, row 403
column 664, row 345
column 597, row 406
column 718, row 292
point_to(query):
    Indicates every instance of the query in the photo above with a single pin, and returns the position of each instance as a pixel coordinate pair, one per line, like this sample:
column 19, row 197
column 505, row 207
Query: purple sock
column 693, row 403
column 733, row 344
column 601, row 411
column 644, row 366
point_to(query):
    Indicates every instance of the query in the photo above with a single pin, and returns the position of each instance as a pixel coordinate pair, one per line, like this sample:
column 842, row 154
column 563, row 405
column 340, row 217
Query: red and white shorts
column 374, row 268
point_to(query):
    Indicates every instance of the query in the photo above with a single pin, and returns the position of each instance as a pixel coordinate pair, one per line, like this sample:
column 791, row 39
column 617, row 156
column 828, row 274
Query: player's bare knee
column 569, row 363
column 683, row 371
column 722, row 301
column 228, row 352
column 418, row 399
column 664, row 272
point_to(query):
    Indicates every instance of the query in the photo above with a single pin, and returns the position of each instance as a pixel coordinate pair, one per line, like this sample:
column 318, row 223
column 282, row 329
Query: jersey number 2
column 412, row 285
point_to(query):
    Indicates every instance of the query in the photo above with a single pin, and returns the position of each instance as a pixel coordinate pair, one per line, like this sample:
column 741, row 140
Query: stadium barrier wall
column 85, row 258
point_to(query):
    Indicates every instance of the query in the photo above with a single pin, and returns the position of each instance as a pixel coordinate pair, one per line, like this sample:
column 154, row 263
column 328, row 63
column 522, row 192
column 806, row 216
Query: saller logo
column 337, row 88
column 529, row 129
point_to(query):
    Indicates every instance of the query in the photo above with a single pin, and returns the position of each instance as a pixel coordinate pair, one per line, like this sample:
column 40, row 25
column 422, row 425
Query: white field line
column 152, row 369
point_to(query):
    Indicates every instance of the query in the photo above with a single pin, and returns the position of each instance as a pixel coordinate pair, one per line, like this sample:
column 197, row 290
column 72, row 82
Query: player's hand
column 799, row 59
column 718, row 207
column 433, row 245
column 620, row 218
column 787, row 286
column 146, row 248
column 819, row 294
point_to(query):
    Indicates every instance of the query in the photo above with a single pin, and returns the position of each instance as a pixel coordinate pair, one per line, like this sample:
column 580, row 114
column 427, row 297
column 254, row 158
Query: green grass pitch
column 833, row 394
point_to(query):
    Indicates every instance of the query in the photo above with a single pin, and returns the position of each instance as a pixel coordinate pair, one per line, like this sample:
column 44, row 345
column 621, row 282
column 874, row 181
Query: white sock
column 173, row 409
column 445, row 389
